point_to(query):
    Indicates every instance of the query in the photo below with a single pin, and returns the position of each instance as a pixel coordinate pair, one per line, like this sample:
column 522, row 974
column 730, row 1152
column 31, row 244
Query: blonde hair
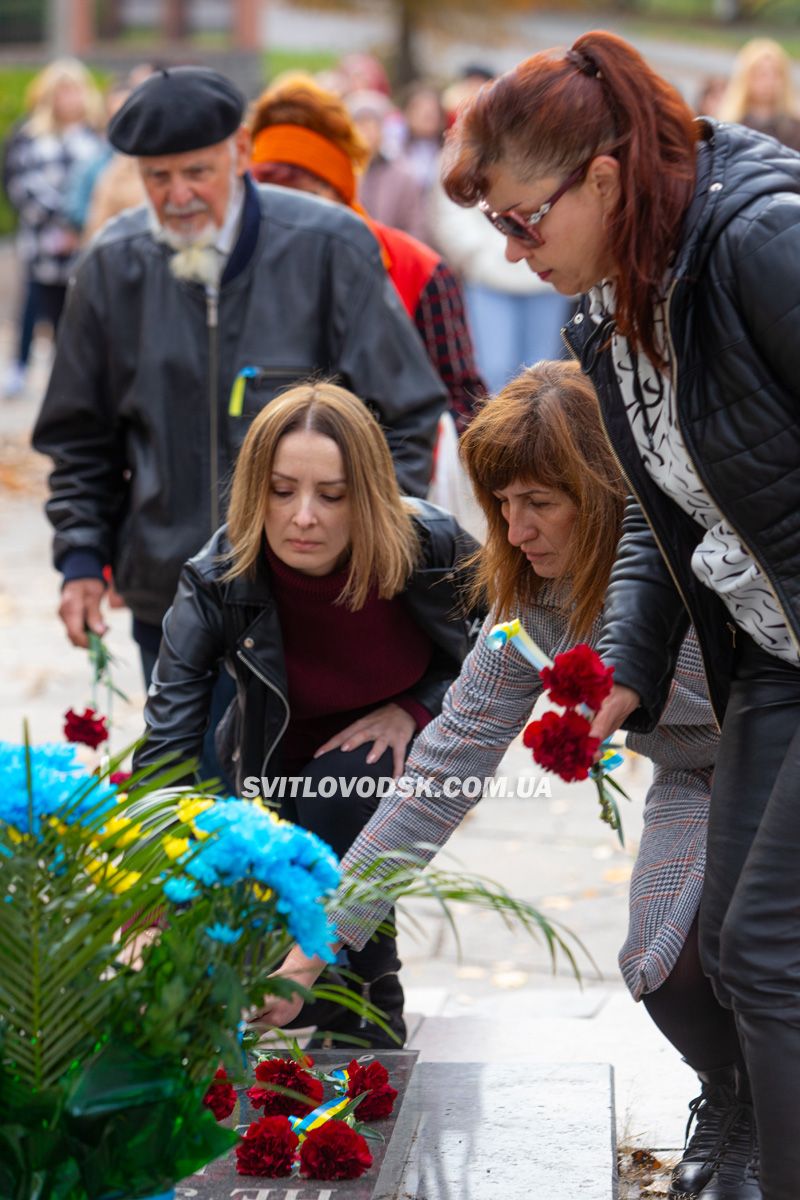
column 384, row 545
column 41, row 92
column 545, row 426
column 735, row 102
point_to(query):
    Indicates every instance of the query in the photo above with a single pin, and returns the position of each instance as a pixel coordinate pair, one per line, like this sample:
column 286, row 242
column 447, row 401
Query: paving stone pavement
column 494, row 997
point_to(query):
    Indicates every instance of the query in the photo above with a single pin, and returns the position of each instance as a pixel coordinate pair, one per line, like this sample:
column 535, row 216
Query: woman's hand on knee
column 389, row 727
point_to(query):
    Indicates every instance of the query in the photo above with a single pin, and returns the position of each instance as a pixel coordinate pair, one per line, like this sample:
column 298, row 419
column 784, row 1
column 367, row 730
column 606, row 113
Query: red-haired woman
column 685, row 238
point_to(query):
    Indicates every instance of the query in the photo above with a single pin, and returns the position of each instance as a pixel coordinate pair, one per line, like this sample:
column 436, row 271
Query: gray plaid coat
column 483, row 712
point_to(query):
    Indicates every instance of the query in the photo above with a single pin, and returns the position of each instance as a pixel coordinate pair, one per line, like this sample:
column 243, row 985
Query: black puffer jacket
column 235, row 624
column 733, row 316
column 128, row 420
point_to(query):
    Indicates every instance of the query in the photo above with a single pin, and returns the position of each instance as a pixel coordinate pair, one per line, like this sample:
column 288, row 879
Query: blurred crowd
column 64, row 182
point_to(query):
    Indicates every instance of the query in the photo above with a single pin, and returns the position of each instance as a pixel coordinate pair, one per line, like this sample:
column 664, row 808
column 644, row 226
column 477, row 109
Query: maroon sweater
column 342, row 664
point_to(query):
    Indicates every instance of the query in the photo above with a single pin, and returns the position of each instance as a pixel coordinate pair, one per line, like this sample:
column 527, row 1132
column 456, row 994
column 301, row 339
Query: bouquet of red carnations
column 300, row 1133
column 561, row 741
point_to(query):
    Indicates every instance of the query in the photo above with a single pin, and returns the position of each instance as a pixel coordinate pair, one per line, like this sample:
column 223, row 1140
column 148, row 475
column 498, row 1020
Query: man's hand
column 618, row 704
column 275, row 1010
column 389, row 727
column 80, row 608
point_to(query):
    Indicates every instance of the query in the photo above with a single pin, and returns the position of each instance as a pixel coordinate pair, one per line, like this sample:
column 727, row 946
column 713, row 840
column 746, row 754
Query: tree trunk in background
column 405, row 65
column 174, row 20
column 109, row 19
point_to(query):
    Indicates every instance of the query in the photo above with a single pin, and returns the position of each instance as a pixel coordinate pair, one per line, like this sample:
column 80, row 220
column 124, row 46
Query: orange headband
column 302, row 147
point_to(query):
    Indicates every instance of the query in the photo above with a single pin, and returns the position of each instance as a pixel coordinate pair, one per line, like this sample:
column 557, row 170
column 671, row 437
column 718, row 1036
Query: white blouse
column 720, row 561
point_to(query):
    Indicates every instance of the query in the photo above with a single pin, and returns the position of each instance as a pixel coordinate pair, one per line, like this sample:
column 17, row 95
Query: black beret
column 175, row 110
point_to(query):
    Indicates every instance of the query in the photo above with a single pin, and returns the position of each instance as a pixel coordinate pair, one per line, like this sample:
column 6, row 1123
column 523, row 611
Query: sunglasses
column 512, row 224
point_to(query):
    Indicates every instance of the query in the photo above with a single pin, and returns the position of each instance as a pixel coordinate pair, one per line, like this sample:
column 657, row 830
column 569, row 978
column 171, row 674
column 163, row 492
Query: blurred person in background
column 65, row 110
column 110, row 182
column 515, row 317
column 388, row 188
column 761, row 93
column 709, row 97
column 425, row 125
column 304, row 138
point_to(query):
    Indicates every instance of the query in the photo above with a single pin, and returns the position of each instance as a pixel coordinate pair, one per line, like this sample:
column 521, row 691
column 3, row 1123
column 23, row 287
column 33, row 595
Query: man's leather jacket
column 234, row 625
column 127, row 417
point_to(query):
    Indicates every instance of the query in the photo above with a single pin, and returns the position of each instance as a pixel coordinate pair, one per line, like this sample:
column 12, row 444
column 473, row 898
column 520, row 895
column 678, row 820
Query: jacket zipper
column 212, row 324
column 656, row 538
column 765, row 576
column 267, row 683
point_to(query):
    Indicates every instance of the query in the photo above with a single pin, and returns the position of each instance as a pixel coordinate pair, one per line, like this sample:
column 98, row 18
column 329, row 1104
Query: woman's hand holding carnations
column 616, row 708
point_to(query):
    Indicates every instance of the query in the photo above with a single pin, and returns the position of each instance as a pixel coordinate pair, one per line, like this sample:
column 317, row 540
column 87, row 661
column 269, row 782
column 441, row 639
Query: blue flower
column 180, row 891
column 60, row 785
column 223, row 933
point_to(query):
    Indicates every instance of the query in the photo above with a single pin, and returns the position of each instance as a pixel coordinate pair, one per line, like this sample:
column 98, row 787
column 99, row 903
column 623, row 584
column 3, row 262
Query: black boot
column 736, row 1175
column 386, row 993
column 710, row 1113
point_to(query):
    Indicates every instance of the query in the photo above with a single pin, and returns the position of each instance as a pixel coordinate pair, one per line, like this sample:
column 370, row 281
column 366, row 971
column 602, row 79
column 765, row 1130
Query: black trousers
column 338, row 819
column 750, row 912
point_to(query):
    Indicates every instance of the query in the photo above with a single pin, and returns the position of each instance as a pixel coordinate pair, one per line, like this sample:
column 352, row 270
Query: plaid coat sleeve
column 482, row 713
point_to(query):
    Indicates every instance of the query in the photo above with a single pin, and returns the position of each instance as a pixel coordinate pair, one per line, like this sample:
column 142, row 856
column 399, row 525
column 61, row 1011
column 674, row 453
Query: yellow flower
column 124, row 880
column 96, row 869
column 191, row 807
column 123, row 825
column 262, row 893
column 15, row 835
column 174, row 847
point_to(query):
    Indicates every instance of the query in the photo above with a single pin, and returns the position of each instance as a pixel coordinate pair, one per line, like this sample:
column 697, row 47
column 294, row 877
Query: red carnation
column 267, row 1148
column 560, row 742
column 119, row 777
column 286, row 1073
column 89, row 729
column 221, row 1096
column 334, row 1151
column 374, row 1080
column 578, row 677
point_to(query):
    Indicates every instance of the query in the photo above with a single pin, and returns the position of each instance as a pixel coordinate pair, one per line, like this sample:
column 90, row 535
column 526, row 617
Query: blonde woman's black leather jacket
column 733, row 315
column 234, row 626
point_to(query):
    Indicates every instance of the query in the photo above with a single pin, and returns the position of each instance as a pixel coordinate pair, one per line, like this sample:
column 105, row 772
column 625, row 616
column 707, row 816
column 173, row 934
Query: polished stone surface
column 464, row 1131
column 492, row 1131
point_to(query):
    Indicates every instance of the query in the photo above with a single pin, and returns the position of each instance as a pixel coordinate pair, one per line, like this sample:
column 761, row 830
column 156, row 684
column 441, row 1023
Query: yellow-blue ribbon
column 325, row 1112
column 236, row 402
column 512, row 631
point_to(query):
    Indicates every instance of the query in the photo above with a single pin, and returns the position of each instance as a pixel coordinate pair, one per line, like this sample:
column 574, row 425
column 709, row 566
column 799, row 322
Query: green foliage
column 276, row 61
column 104, row 1059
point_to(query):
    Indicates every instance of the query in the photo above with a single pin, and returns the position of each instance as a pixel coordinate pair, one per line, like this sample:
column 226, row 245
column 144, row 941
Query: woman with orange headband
column 304, row 138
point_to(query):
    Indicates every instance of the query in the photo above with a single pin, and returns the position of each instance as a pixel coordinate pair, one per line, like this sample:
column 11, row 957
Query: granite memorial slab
column 504, row 1131
column 219, row 1180
column 461, row 1131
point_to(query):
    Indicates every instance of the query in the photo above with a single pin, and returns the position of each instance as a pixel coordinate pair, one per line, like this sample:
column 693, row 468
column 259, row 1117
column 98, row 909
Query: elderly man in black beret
column 183, row 320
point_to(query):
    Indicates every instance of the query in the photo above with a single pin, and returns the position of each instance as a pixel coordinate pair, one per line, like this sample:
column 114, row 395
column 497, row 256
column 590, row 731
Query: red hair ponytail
column 555, row 111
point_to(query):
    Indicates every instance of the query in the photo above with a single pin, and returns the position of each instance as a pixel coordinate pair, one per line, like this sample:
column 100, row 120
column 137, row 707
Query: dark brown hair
column 556, row 111
column 545, row 427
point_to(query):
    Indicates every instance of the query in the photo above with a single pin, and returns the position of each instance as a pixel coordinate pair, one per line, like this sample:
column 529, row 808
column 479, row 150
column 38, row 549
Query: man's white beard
column 195, row 258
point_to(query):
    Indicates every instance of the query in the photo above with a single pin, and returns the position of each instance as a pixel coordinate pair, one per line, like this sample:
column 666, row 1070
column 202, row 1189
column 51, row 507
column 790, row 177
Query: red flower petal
column 578, row 677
